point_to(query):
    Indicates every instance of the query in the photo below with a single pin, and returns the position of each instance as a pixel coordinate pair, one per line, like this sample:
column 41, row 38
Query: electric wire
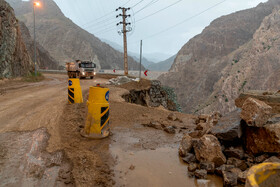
column 185, row 20
column 146, row 6
column 159, row 11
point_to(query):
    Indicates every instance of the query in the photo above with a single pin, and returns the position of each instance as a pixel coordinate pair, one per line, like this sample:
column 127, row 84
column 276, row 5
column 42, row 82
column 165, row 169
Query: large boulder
column 208, row 148
column 255, row 112
column 270, row 98
column 228, row 128
column 186, row 145
column 263, row 139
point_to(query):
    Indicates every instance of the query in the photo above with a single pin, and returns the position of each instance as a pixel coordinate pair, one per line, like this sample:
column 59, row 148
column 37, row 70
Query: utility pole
column 124, row 30
column 35, row 59
column 140, row 59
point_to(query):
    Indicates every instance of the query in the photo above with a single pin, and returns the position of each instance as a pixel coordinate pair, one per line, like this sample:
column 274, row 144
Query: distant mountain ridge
column 64, row 40
column 162, row 66
column 234, row 53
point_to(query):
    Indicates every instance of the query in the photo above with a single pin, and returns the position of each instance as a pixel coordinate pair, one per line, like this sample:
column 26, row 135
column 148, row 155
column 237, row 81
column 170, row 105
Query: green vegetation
column 243, row 85
column 30, row 77
column 238, row 71
column 226, row 100
column 172, row 96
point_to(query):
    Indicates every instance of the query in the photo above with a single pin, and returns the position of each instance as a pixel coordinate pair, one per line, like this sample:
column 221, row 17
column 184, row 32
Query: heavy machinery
column 81, row 69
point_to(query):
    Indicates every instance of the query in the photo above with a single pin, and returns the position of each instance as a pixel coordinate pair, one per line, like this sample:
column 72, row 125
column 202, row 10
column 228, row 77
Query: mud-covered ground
column 133, row 155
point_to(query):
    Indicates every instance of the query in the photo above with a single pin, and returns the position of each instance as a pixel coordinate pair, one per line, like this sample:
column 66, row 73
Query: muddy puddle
column 144, row 159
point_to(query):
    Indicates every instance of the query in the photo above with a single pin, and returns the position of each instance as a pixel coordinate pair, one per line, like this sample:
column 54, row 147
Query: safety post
column 74, row 91
column 263, row 175
column 97, row 123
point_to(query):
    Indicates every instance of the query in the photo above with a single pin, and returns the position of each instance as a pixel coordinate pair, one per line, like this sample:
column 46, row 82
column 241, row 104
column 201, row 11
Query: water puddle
column 156, row 166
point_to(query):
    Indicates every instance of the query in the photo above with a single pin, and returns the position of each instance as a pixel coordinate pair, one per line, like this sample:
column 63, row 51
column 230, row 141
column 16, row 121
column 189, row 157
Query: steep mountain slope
column 14, row 58
column 200, row 64
column 256, row 66
column 162, row 66
column 64, row 40
column 44, row 60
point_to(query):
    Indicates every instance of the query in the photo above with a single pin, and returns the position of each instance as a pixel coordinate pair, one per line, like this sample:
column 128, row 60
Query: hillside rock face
column 14, row 58
column 235, row 53
column 44, row 60
column 64, row 40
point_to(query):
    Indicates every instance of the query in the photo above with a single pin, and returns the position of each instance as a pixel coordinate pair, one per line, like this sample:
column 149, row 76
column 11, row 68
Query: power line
column 159, row 10
column 185, row 20
column 137, row 4
column 149, row 4
column 107, row 14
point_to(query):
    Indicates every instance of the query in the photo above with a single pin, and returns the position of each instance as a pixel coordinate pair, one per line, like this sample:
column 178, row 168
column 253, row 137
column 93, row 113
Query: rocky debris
column 264, row 139
column 236, row 152
column 232, row 146
column 169, row 130
column 230, row 178
column 219, row 170
column 14, row 58
column 241, row 164
column 255, row 112
column 272, row 159
column 272, row 99
column 186, row 145
column 200, row 174
column 192, row 167
column 208, row 166
column 153, row 124
column 189, row 158
column 120, row 80
column 261, row 158
column 154, row 96
column 228, row 128
column 172, row 117
column 241, row 178
column 132, row 167
column 208, row 148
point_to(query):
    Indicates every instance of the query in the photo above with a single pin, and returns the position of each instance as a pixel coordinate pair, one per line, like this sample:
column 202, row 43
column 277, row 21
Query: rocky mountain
column 14, row 57
column 64, row 40
column 44, row 60
column 162, row 66
column 234, row 53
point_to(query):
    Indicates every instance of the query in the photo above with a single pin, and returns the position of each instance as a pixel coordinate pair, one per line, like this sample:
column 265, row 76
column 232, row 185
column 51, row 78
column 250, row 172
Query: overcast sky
column 99, row 18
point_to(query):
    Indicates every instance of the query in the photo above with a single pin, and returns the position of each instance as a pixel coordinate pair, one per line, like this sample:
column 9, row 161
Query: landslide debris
column 234, row 143
column 14, row 58
column 151, row 94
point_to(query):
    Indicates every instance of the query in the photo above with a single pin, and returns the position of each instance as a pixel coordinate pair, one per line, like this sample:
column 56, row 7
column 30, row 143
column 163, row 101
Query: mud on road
column 133, row 154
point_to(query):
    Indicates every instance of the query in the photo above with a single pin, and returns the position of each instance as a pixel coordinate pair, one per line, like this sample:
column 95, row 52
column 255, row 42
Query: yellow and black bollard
column 97, row 123
column 74, row 91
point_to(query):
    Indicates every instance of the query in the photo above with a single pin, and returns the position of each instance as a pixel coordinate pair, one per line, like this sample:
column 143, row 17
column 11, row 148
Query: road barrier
column 97, row 123
column 74, row 91
column 264, row 175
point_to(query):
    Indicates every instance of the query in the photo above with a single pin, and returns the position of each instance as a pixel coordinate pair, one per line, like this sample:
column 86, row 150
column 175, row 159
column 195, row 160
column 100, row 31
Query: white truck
column 81, row 69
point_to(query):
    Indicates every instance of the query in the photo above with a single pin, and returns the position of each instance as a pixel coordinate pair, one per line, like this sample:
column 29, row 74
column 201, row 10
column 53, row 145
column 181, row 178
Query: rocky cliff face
column 44, row 60
column 14, row 58
column 236, row 52
column 64, row 40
